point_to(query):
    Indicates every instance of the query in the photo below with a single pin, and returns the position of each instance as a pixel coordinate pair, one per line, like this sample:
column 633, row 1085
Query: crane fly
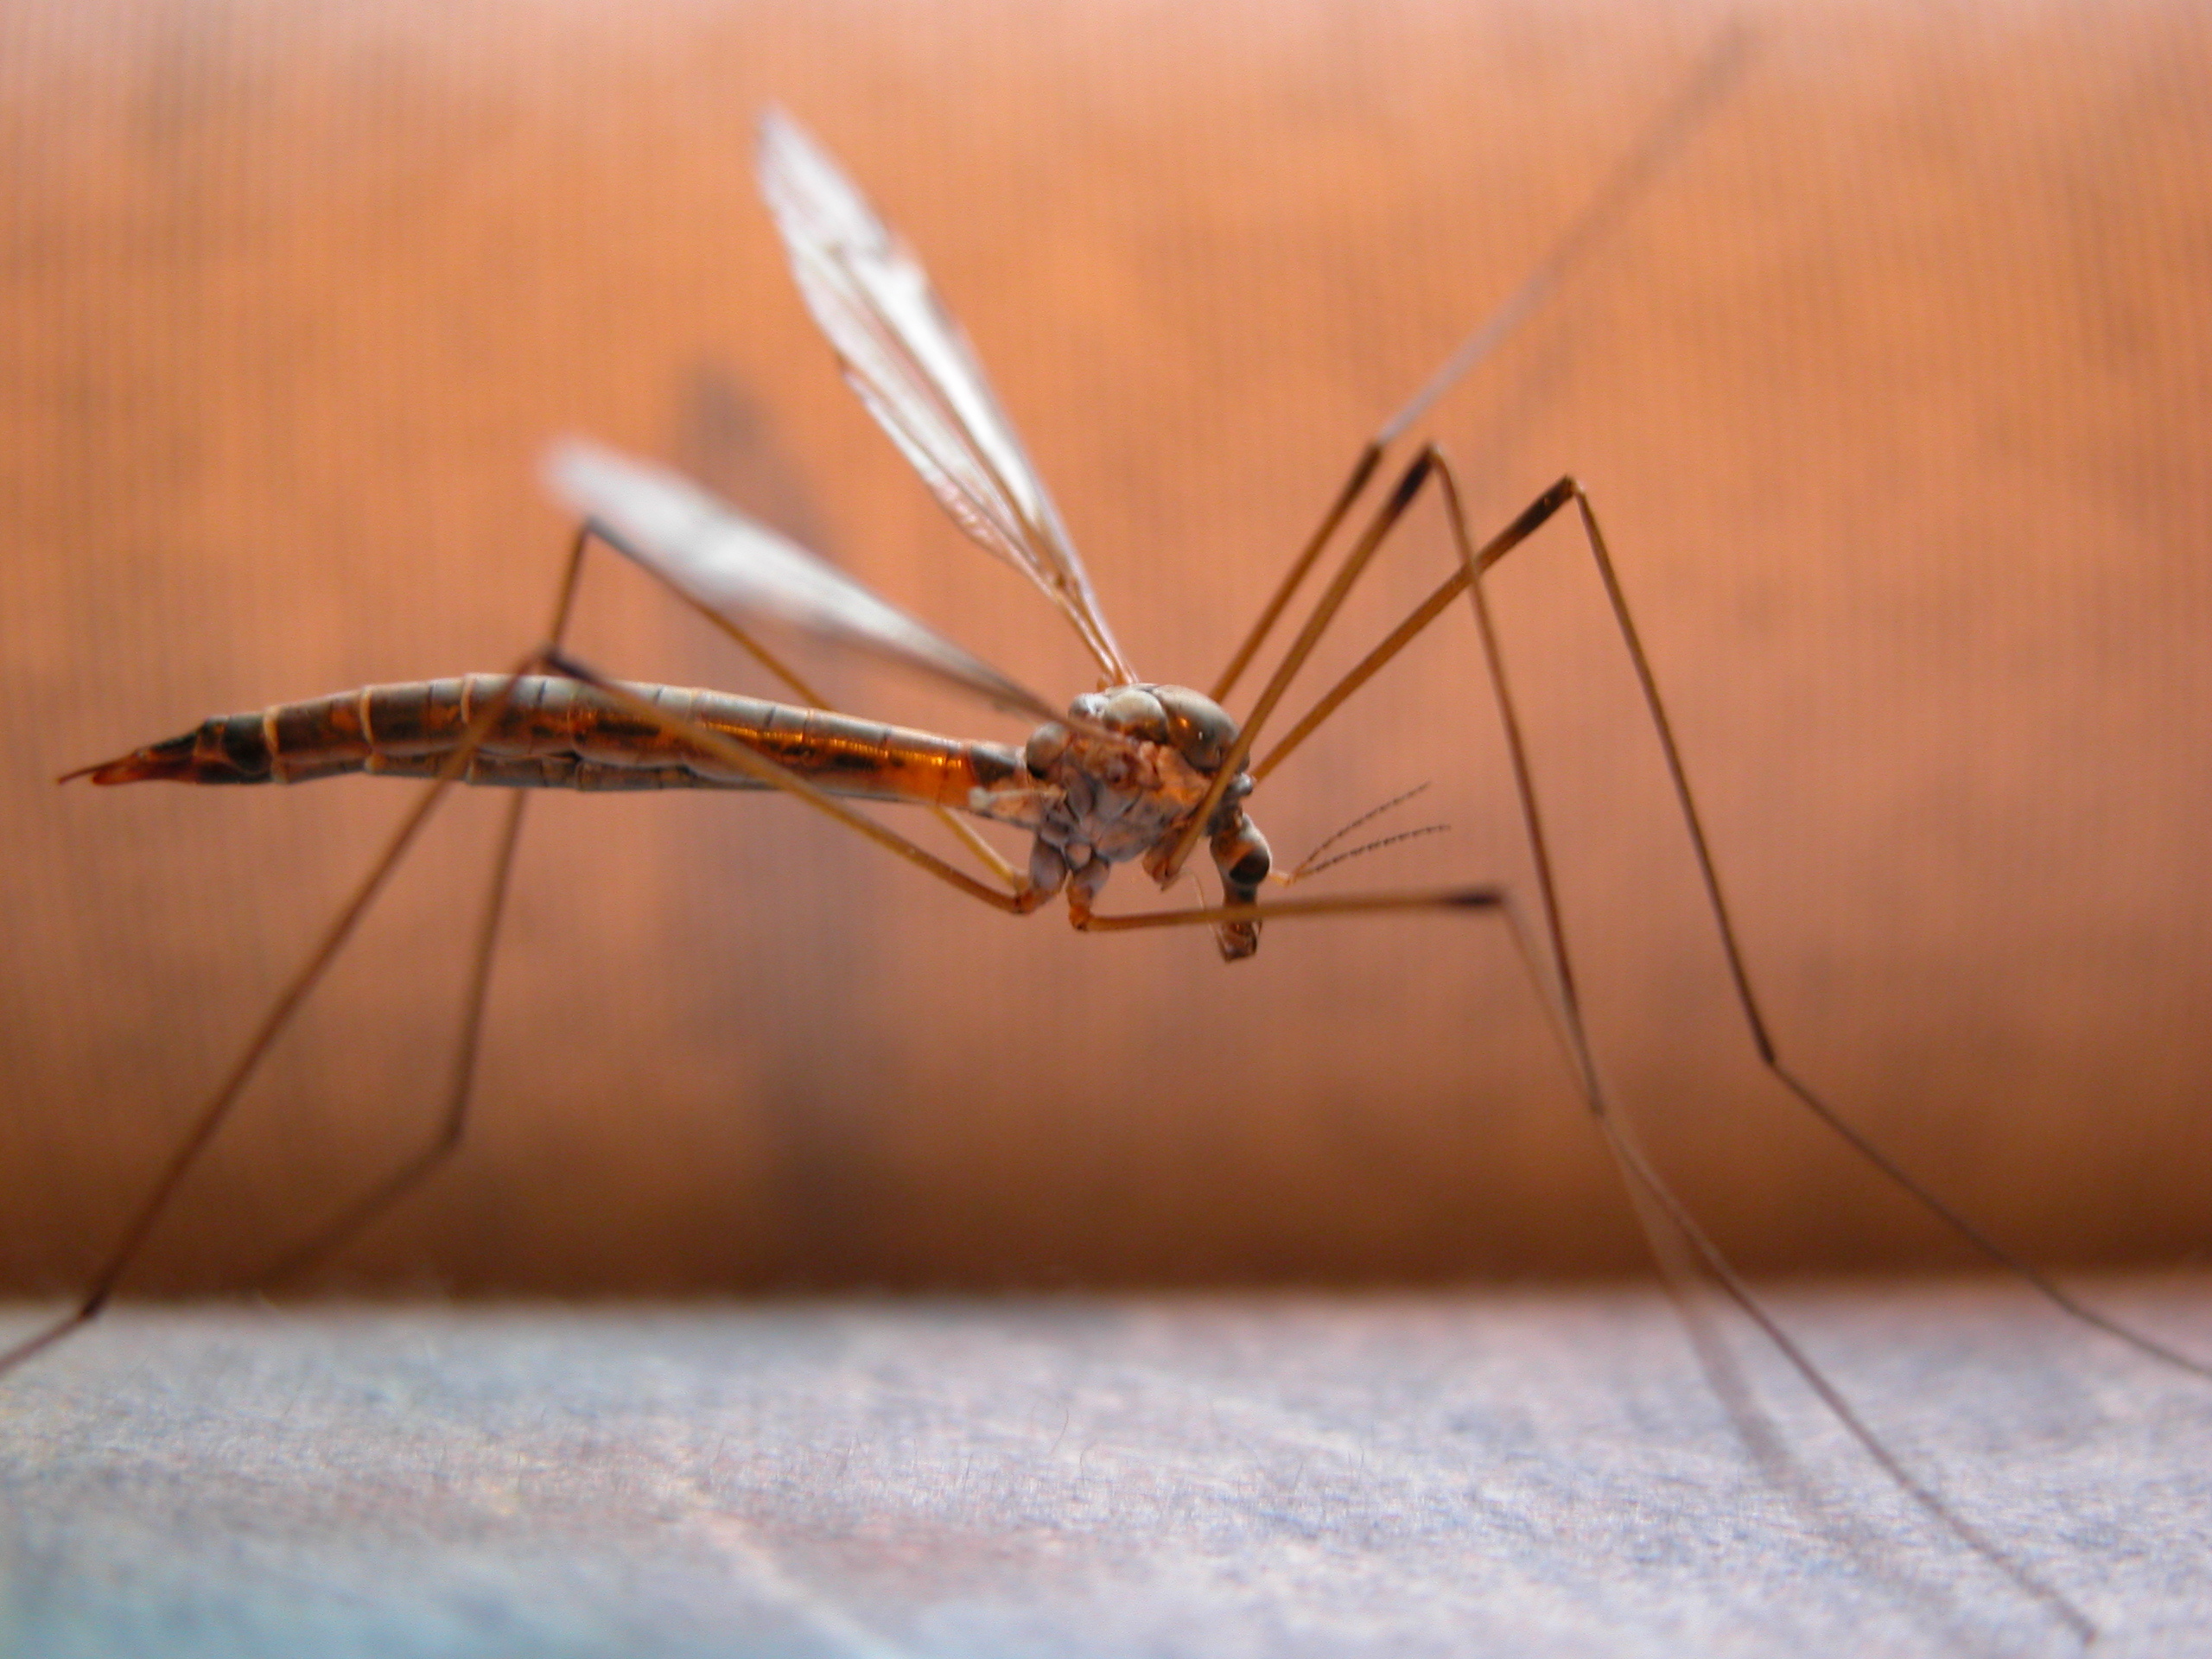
column 1133, row 772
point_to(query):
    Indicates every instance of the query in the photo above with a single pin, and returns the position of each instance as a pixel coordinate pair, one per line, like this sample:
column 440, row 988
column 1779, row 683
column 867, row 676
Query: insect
column 1136, row 772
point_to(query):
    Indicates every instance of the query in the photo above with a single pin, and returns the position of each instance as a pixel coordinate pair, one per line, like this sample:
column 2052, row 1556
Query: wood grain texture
column 1525, row 1474
column 1893, row 393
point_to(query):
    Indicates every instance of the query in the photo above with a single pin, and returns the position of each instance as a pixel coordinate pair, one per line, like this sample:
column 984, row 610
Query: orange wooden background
column 1895, row 394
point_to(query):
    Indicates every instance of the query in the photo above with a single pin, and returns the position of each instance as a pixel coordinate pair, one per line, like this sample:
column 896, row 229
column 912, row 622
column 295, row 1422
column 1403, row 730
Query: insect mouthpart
column 1241, row 854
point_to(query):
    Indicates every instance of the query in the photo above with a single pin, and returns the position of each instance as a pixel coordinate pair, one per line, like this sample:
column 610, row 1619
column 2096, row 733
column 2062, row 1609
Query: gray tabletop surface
column 1524, row 1472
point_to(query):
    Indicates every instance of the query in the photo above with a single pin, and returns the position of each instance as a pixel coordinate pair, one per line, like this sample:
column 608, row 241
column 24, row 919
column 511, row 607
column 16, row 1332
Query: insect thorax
column 1111, row 785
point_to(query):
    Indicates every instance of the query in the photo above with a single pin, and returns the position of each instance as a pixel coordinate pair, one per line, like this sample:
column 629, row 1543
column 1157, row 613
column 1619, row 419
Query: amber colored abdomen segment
column 556, row 734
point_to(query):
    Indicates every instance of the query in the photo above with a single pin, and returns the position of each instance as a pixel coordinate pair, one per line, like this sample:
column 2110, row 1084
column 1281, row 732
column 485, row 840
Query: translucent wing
column 915, row 370
column 742, row 569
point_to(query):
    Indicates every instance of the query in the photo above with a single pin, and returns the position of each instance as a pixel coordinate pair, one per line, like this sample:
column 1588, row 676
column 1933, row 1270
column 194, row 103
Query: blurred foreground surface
column 1893, row 392
column 1527, row 1474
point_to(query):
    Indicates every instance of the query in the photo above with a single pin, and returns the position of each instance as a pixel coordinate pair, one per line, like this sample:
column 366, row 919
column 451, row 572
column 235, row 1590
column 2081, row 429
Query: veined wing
column 740, row 569
column 915, row 370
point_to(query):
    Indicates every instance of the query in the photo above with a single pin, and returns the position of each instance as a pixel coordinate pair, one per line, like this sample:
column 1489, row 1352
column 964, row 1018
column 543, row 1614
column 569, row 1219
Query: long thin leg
column 1656, row 1208
column 1641, row 1175
column 452, row 1122
column 1631, row 177
column 1719, row 1366
column 1355, row 561
column 1428, row 464
column 1362, row 470
column 1645, row 1184
column 551, row 657
column 452, row 1125
column 218, row 1107
column 1563, row 997
column 1656, row 1199
column 1637, row 1170
column 1473, row 565
column 1755, row 1019
column 1531, row 518
column 1347, row 904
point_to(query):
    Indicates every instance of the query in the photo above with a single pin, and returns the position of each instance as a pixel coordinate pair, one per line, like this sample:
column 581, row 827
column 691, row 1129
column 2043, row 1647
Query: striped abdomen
column 557, row 734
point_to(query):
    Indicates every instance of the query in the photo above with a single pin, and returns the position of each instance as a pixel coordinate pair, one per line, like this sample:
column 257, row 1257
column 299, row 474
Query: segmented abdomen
column 557, row 734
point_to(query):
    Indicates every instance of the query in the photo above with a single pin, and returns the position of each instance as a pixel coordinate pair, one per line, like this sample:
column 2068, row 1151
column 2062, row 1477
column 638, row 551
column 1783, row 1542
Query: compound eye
column 1046, row 745
column 1199, row 727
column 1134, row 710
